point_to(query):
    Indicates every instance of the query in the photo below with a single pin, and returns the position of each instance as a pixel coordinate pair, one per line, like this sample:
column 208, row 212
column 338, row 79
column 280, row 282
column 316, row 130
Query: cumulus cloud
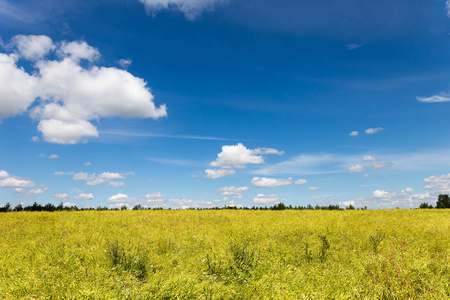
column 373, row 130
column 368, row 158
column 18, row 88
column 155, row 198
column 314, row 188
column 301, row 181
column 53, row 156
column 190, row 8
column 32, row 47
column 60, row 196
column 237, row 156
column 83, row 196
column 118, row 198
column 87, row 164
column 232, row 191
column 9, row 181
column 438, row 184
column 218, row 173
column 385, row 199
column 68, row 94
column 263, row 182
column 354, row 133
column 266, row 199
column 96, row 179
column 443, row 97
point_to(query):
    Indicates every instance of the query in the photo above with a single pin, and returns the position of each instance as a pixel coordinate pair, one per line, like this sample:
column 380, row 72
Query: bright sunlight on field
column 227, row 254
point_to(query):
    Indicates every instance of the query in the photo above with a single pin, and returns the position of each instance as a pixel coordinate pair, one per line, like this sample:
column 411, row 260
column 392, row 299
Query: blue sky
column 201, row 103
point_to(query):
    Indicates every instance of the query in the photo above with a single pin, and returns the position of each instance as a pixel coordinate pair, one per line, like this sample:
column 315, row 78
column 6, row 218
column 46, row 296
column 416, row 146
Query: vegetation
column 226, row 254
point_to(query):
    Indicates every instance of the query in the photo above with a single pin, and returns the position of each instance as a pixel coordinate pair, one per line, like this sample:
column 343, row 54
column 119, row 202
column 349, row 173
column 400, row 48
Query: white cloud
column 87, row 164
column 78, row 50
column 3, row 174
column 53, row 156
column 347, row 203
column 155, row 198
column 356, row 168
column 83, row 196
column 314, row 188
column 61, row 196
column 9, row 181
column 266, row 199
column 301, row 181
column 116, row 183
column 190, row 8
column 447, row 6
column 18, row 88
column 443, row 97
column 119, row 198
column 234, row 192
column 185, row 203
column 218, row 173
column 263, row 182
column 380, row 194
column 70, row 95
column 354, row 133
column 35, row 139
column 125, row 63
column 237, row 156
column 32, row 47
column 368, row 158
column 38, row 191
column 438, row 184
column 373, row 130
column 392, row 198
column 94, row 179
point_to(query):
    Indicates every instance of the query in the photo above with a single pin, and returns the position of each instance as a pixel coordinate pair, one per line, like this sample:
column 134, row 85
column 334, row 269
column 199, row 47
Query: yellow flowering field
column 225, row 254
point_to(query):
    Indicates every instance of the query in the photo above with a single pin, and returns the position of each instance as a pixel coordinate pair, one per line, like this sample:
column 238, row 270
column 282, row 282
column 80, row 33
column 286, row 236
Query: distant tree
column 123, row 207
column 425, row 205
column 5, row 208
column 443, row 201
column 350, row 207
column 18, row 207
column 137, row 207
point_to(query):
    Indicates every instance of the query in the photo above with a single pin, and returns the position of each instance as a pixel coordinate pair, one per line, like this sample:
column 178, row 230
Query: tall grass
column 392, row 254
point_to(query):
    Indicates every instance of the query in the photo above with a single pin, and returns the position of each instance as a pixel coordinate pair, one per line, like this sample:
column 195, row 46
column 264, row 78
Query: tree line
column 442, row 202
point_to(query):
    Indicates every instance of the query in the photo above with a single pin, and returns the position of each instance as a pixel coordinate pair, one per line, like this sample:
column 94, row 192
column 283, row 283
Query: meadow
column 226, row 254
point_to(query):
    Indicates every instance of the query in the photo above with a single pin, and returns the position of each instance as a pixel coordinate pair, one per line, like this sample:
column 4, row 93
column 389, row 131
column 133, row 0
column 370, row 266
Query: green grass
column 386, row 254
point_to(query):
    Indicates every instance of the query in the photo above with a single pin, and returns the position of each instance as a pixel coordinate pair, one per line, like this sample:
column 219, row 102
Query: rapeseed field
column 225, row 254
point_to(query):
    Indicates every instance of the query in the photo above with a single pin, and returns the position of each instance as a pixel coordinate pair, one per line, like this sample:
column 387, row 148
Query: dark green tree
column 443, row 201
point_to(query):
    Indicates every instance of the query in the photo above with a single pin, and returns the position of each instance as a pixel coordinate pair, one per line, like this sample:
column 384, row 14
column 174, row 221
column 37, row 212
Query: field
column 226, row 254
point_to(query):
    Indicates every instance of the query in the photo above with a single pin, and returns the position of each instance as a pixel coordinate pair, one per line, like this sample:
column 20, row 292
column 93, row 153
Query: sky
column 205, row 103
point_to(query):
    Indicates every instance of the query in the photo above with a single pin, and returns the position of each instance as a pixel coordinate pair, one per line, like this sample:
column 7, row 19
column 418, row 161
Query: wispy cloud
column 190, row 8
column 325, row 163
column 353, row 46
column 442, row 97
